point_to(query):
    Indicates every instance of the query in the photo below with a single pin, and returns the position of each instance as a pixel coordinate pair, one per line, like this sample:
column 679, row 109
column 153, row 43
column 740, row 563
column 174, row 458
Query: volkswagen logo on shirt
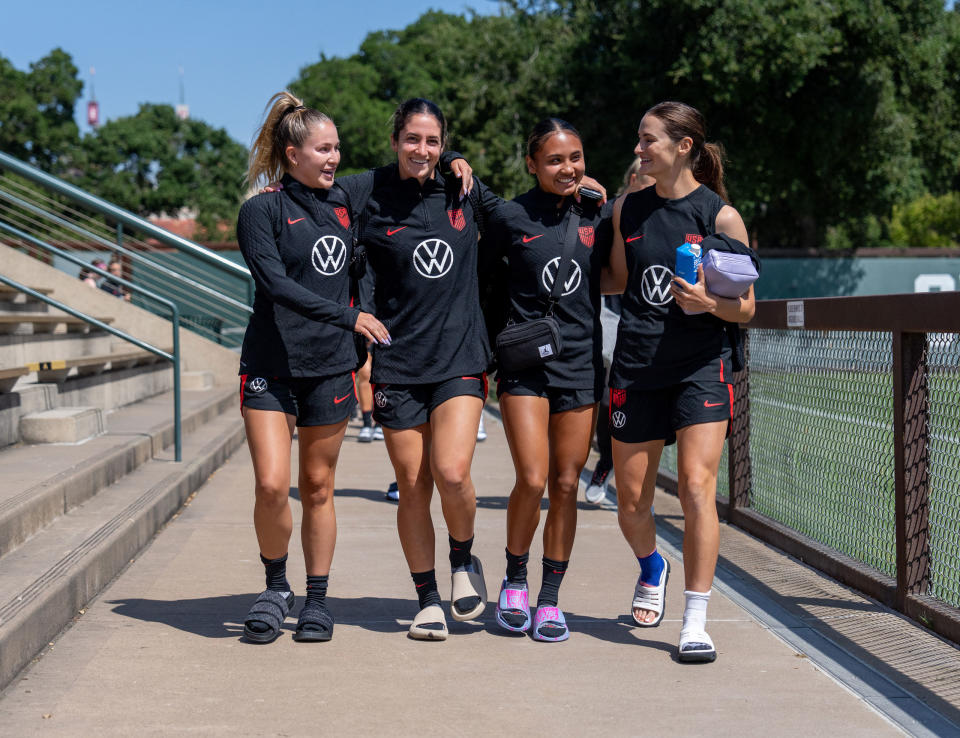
column 549, row 275
column 655, row 285
column 380, row 398
column 329, row 255
column 619, row 419
column 257, row 385
column 433, row 258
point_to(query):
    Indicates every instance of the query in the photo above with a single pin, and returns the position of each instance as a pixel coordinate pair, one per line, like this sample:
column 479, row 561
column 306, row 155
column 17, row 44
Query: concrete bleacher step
column 40, row 322
column 106, row 381
column 13, row 300
column 72, row 474
column 96, row 510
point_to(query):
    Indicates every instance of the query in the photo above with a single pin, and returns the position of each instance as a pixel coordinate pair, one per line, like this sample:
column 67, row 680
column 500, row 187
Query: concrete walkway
column 160, row 653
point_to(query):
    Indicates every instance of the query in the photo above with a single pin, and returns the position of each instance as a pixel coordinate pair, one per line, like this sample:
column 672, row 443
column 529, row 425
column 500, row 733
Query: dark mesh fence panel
column 944, row 467
column 821, row 438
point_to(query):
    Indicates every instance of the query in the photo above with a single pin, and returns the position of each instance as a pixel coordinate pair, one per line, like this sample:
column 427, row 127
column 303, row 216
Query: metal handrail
column 121, row 215
column 174, row 357
column 136, row 256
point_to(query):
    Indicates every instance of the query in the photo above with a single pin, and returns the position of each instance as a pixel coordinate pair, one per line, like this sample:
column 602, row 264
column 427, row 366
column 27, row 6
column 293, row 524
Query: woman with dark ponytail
column 549, row 411
column 298, row 353
column 671, row 376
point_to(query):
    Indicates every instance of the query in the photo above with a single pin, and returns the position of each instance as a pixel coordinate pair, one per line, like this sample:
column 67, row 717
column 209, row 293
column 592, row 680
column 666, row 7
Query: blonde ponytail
column 287, row 122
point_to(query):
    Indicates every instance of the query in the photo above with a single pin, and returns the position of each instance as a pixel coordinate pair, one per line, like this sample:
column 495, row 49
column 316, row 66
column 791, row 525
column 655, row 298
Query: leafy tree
column 831, row 112
column 153, row 162
column 493, row 76
column 36, row 110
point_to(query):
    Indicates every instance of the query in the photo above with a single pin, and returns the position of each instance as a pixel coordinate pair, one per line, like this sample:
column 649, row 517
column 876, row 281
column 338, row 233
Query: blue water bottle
column 688, row 260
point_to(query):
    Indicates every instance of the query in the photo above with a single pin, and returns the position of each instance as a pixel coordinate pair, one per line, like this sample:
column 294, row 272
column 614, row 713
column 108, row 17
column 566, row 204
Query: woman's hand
column 272, row 187
column 367, row 325
column 696, row 298
column 464, row 172
column 592, row 184
column 693, row 298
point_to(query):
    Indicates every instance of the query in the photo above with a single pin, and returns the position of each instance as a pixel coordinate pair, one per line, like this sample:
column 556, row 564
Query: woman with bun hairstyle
column 298, row 353
column 549, row 411
column 670, row 381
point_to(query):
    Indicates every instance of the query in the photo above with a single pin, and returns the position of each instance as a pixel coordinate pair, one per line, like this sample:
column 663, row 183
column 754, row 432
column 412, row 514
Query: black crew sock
column 553, row 572
column 426, row 584
column 517, row 568
column 276, row 573
column 317, row 589
column 459, row 552
column 367, row 418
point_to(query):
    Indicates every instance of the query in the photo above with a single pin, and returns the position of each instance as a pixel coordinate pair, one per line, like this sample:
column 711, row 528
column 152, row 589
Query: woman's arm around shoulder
column 613, row 277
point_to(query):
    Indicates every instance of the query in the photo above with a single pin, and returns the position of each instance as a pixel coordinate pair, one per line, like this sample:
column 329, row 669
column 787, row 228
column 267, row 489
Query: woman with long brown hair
column 671, row 375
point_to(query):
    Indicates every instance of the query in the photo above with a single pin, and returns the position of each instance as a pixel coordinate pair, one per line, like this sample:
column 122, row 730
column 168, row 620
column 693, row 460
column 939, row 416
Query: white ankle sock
column 695, row 611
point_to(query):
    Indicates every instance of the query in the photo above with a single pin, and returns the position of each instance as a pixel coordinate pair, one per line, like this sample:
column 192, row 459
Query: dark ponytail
column 706, row 159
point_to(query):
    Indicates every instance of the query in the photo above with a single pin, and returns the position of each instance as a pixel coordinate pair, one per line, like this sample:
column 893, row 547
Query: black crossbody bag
column 535, row 342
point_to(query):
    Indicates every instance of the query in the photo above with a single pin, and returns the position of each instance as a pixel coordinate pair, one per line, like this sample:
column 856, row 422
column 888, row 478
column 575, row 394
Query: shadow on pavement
column 376, row 495
column 621, row 630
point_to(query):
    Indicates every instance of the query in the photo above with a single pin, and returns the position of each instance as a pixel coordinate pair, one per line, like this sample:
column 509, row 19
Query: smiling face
column 658, row 153
column 558, row 164
column 315, row 162
column 418, row 145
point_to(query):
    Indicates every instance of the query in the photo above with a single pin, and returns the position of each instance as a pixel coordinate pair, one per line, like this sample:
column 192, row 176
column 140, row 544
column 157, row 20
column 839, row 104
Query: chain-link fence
column 821, row 438
column 944, row 520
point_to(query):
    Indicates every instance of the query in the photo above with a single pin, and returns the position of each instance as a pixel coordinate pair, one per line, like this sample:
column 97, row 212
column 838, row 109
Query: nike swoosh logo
column 291, row 222
column 634, row 238
column 713, row 404
column 528, row 239
column 338, row 400
column 395, row 230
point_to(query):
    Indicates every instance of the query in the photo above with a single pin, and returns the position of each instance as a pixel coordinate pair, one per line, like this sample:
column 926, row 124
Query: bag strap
column 566, row 256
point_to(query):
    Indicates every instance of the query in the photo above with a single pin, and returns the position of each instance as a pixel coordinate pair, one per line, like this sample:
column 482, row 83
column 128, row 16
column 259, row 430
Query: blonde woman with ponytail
column 298, row 353
column 670, row 381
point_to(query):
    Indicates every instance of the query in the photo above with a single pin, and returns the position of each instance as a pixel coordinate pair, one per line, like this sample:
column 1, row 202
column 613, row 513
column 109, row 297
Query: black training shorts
column 637, row 416
column 312, row 400
column 561, row 398
column 402, row 406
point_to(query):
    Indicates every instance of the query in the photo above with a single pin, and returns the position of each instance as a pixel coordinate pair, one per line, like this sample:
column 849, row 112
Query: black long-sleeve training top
column 531, row 230
column 421, row 242
column 298, row 245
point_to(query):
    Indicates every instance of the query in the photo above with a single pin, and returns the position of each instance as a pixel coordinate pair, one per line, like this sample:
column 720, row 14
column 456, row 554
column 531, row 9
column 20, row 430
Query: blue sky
column 234, row 54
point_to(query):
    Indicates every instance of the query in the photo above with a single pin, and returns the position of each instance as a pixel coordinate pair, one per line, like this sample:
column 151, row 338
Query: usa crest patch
column 586, row 236
column 456, row 219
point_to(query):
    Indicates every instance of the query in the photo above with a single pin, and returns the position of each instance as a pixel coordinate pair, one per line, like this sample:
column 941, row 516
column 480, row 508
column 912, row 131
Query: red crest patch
column 456, row 219
column 343, row 216
column 586, row 236
column 694, row 238
column 618, row 397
